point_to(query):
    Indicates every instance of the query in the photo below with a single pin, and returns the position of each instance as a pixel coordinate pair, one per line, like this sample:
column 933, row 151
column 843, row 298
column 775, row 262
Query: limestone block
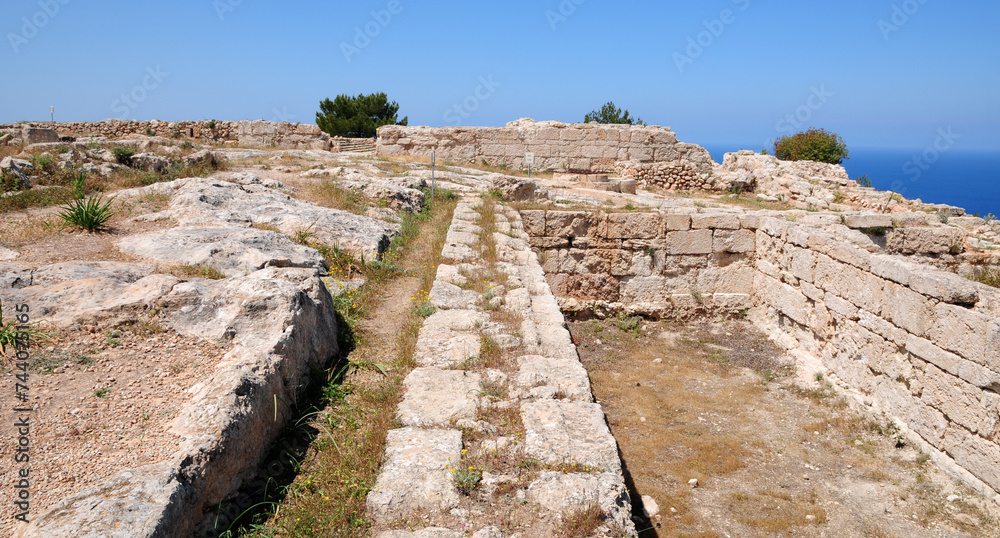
column 967, row 370
column 434, row 397
column 783, row 298
column 891, row 268
column 567, row 377
column 568, row 223
column 559, row 433
column 959, row 401
column 673, row 222
column 803, row 264
column 534, row 222
column 907, row 309
column 975, row 454
column 450, row 296
column 868, row 220
column 735, row 241
column 546, row 243
column 416, row 474
column 734, row 278
column 563, row 493
column 692, row 242
column 883, row 328
column 928, row 240
column 716, row 221
column 595, row 287
column 629, row 226
column 947, row 287
column 842, row 307
column 961, row 331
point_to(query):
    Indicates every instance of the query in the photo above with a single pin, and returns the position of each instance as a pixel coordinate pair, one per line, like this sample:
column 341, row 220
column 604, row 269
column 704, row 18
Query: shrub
column 123, row 155
column 610, row 114
column 863, row 181
column 817, row 145
column 90, row 214
column 358, row 117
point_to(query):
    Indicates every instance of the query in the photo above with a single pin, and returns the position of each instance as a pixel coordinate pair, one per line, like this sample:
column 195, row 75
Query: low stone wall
column 583, row 146
column 246, row 132
column 909, row 341
column 675, row 176
column 549, row 390
column 671, row 265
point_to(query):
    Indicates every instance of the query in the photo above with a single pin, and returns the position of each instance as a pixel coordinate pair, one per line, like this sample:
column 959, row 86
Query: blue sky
column 762, row 69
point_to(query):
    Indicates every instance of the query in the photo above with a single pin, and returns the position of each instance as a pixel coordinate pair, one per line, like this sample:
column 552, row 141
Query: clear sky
column 882, row 73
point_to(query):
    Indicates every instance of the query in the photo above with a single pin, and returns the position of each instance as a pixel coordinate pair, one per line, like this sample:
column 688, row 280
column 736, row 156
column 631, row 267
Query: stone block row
column 550, row 389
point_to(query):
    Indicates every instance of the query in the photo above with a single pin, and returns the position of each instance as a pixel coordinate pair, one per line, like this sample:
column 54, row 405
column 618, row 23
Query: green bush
column 610, row 114
column 90, row 214
column 817, row 145
column 123, row 155
column 357, row 117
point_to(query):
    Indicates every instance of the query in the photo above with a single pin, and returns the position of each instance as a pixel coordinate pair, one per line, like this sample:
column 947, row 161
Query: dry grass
column 776, row 512
column 330, row 194
column 581, row 522
column 327, row 498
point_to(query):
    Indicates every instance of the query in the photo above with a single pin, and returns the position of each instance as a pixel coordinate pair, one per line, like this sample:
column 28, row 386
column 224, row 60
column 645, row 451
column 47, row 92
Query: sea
column 964, row 178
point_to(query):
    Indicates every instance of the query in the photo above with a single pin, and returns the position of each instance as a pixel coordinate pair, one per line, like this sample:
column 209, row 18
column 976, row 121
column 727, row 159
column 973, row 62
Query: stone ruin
column 867, row 288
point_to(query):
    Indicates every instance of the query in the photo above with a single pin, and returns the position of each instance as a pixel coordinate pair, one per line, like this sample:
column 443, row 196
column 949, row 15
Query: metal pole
column 432, row 176
column 52, row 112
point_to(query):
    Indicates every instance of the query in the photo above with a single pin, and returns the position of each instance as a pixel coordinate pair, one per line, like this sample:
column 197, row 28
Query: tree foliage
column 609, row 113
column 815, row 144
column 357, row 117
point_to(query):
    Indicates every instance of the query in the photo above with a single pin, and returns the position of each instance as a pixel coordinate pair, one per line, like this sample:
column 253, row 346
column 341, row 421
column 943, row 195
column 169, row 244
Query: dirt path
column 771, row 457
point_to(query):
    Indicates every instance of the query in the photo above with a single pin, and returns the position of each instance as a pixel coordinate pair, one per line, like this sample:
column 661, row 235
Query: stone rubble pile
column 448, row 403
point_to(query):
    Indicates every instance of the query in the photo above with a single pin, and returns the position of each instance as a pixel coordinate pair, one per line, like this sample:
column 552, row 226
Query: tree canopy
column 609, row 113
column 815, row 144
column 357, row 117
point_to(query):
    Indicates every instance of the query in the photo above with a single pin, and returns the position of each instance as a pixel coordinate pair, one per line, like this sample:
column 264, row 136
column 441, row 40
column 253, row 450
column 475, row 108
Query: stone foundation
column 583, row 146
column 911, row 342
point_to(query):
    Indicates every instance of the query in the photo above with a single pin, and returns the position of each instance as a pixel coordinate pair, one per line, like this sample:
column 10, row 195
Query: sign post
column 52, row 112
column 432, row 176
column 529, row 159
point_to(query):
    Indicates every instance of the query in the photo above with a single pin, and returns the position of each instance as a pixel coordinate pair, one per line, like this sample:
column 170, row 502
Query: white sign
column 529, row 158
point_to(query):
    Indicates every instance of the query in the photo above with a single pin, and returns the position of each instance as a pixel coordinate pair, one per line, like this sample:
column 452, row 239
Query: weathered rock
column 397, row 196
column 7, row 254
column 514, row 189
column 565, row 493
column 36, row 135
column 231, row 251
column 209, row 202
column 569, row 433
column 149, row 162
column 450, row 296
column 416, row 473
column 283, row 327
column 203, row 157
column 566, row 377
column 435, row 397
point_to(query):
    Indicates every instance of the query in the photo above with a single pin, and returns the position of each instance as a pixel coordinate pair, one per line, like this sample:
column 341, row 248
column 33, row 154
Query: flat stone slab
column 569, row 433
column 445, row 348
column 450, row 296
column 435, row 397
column 207, row 202
column 416, row 474
column 459, row 252
column 438, row 532
column 463, row 238
column 7, row 254
column 232, row 251
column 562, row 493
column 556, row 342
column 457, row 320
column 565, row 376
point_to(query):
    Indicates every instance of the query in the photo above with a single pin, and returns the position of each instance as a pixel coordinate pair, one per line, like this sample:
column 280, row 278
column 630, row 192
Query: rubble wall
column 246, row 132
column 577, row 146
column 910, row 342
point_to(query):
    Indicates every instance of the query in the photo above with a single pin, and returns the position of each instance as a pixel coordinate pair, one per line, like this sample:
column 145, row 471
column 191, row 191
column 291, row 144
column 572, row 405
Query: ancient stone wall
column 582, row 146
column 246, row 132
column 675, row 176
column 909, row 341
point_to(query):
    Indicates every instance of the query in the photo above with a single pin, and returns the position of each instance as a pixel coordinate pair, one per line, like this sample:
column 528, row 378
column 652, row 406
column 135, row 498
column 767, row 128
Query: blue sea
column 967, row 179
